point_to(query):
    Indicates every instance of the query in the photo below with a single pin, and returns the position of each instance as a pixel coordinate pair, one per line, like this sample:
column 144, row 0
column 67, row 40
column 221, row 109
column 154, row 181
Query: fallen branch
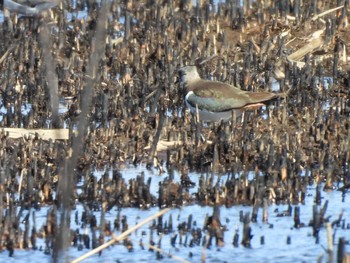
column 45, row 134
column 164, row 145
column 308, row 48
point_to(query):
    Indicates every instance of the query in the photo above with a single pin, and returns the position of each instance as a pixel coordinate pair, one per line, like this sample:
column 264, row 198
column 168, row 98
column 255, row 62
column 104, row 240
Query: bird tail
column 257, row 97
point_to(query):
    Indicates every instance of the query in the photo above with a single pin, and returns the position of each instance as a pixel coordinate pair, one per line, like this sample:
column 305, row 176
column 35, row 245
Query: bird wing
column 217, row 96
column 210, row 104
column 33, row 3
column 262, row 96
column 25, row 9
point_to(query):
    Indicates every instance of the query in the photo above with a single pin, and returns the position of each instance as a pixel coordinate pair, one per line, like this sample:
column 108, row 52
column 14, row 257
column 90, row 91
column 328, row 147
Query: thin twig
column 326, row 12
column 153, row 93
column 6, row 53
column 24, row 170
column 121, row 236
column 208, row 59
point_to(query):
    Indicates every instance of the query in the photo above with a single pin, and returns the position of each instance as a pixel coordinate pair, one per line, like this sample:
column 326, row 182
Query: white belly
column 210, row 116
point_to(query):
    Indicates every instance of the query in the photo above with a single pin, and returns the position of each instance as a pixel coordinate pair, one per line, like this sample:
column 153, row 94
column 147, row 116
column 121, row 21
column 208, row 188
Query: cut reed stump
column 45, row 134
column 121, row 236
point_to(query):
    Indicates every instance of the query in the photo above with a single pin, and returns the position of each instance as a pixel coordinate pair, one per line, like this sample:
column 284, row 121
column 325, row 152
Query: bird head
column 188, row 74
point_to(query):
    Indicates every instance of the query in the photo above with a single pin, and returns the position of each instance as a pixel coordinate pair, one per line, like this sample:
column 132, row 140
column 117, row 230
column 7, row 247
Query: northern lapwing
column 215, row 101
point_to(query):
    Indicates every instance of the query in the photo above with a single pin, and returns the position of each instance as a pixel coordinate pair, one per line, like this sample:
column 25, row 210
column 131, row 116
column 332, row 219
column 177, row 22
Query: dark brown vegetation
column 136, row 103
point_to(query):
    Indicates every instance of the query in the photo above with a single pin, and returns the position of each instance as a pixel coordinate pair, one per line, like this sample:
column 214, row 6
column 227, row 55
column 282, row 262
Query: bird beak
column 180, row 74
column 176, row 74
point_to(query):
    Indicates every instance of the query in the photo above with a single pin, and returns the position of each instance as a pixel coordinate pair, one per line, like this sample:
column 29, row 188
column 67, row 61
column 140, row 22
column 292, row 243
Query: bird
column 29, row 7
column 215, row 101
